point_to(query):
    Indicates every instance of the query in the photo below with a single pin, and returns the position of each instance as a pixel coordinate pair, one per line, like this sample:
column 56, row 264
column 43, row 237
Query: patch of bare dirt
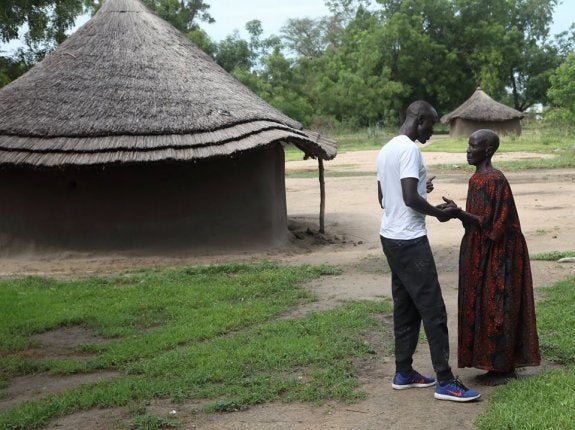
column 546, row 207
column 58, row 344
column 64, row 342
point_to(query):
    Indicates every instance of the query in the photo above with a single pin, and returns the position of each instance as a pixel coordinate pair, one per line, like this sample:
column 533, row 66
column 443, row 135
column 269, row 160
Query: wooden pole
column 322, row 196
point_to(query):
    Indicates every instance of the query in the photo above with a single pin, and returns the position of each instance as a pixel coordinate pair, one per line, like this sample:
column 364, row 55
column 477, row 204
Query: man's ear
column 489, row 151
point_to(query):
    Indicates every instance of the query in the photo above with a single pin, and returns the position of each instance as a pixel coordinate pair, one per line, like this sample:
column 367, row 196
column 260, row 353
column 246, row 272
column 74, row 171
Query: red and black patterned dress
column 497, row 327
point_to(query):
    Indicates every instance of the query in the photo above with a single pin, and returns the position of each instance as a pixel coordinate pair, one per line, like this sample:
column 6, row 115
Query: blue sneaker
column 413, row 380
column 455, row 391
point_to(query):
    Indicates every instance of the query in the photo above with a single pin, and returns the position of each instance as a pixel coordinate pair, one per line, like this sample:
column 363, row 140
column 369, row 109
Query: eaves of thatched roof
column 481, row 107
column 129, row 87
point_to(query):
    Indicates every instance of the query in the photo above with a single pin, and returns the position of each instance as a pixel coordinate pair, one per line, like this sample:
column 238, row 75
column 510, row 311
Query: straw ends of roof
column 89, row 150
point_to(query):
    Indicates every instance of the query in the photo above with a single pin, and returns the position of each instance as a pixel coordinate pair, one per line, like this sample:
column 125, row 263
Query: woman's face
column 476, row 150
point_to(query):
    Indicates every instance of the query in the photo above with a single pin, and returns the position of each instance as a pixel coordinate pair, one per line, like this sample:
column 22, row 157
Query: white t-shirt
column 400, row 158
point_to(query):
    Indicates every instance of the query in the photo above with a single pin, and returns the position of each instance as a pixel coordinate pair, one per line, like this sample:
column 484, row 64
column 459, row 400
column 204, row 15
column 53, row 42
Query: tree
column 285, row 86
column 47, row 21
column 565, row 42
column 562, row 90
column 512, row 54
column 260, row 48
column 10, row 69
column 182, row 14
column 234, row 53
column 346, row 10
column 500, row 45
column 201, row 39
column 303, row 36
column 418, row 44
column 351, row 83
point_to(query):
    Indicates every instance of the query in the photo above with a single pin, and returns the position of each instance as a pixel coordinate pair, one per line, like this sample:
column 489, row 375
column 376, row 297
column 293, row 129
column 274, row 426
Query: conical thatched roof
column 129, row 87
column 481, row 107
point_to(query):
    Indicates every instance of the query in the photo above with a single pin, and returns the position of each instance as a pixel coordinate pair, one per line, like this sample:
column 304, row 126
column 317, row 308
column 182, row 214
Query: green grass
column 556, row 319
column 552, row 255
column 536, row 138
column 347, row 141
column 152, row 422
column 215, row 333
column 544, row 401
column 531, row 140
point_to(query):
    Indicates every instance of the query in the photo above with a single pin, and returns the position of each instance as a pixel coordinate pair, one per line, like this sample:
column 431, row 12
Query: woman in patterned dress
column 496, row 311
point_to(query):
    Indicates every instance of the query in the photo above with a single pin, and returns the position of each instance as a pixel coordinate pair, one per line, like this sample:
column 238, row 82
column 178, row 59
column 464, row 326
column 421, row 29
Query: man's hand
column 429, row 184
column 448, row 212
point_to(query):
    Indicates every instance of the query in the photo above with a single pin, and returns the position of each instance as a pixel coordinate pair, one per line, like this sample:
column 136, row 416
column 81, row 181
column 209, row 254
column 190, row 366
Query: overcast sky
column 232, row 15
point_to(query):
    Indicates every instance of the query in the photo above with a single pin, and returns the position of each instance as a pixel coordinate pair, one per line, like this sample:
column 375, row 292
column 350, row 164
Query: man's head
column 419, row 120
column 482, row 145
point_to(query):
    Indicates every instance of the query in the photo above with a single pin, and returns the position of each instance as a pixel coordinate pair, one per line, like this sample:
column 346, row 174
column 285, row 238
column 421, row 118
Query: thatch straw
column 129, row 87
column 481, row 107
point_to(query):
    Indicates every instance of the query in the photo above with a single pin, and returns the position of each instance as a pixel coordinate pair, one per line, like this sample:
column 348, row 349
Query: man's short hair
column 421, row 107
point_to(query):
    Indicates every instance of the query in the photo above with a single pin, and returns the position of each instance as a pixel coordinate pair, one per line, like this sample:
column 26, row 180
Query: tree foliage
column 366, row 66
column 562, row 90
column 10, row 69
column 40, row 24
column 365, row 61
column 304, row 36
column 47, row 20
column 182, row 14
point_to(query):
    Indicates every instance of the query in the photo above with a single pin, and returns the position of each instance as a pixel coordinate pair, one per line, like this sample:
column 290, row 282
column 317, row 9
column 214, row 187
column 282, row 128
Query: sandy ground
column 545, row 204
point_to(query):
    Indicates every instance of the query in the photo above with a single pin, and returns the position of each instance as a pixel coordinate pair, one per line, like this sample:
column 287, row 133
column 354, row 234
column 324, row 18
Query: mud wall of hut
column 226, row 202
column 459, row 127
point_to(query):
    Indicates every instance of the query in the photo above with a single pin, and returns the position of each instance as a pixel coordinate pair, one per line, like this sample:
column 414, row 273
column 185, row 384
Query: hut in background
column 481, row 111
column 129, row 137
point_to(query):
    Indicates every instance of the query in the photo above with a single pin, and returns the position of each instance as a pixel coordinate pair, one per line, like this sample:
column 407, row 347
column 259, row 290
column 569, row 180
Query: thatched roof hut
column 128, row 135
column 481, row 111
column 129, row 87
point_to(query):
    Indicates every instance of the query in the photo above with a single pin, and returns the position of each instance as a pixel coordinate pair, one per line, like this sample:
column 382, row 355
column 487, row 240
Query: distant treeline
column 364, row 62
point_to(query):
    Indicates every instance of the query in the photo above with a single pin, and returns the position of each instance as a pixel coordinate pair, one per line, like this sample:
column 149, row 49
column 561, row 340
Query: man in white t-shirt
column 402, row 193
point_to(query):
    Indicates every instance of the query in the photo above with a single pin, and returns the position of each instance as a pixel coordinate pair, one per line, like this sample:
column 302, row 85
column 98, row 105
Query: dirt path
column 545, row 204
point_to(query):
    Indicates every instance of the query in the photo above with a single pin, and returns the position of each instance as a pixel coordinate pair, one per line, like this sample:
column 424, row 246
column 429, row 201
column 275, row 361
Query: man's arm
column 379, row 194
column 468, row 219
column 413, row 200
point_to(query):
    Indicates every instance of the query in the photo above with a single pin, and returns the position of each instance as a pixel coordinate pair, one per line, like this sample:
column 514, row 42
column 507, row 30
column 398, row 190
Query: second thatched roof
column 481, row 107
column 129, row 87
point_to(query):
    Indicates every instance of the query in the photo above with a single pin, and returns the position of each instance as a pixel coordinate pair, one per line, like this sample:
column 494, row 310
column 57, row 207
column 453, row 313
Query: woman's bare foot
column 492, row 378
